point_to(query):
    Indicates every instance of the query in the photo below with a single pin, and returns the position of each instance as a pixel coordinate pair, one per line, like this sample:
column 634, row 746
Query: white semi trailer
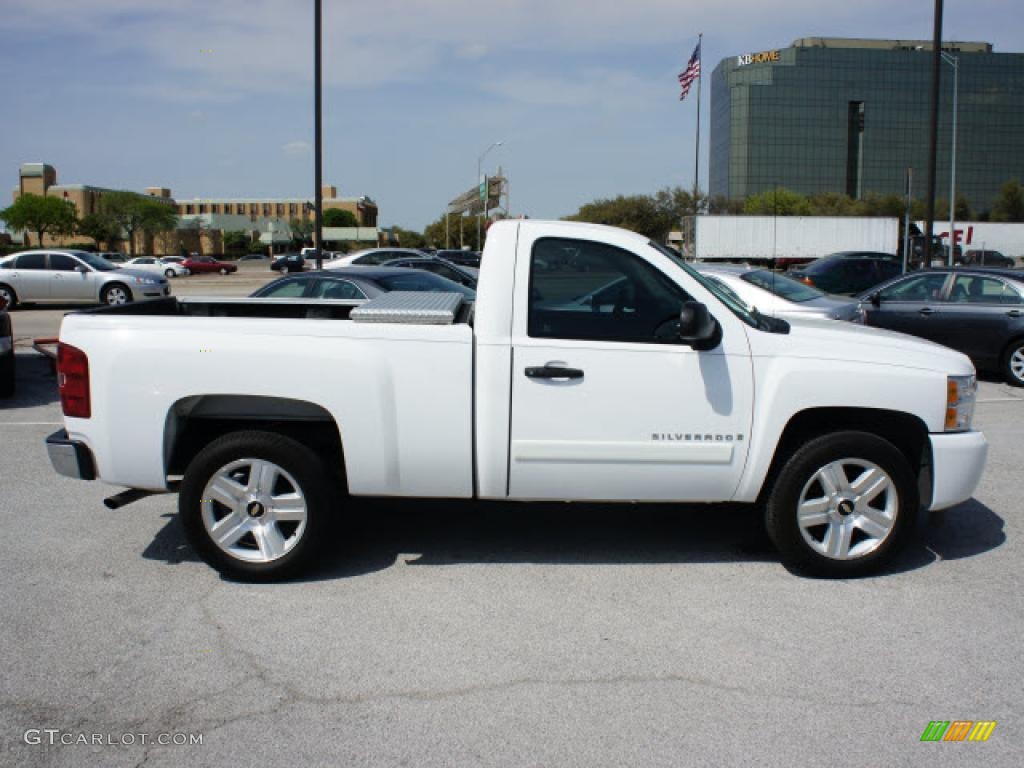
column 784, row 240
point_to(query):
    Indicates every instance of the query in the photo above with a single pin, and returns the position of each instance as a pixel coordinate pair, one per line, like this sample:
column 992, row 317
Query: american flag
column 691, row 73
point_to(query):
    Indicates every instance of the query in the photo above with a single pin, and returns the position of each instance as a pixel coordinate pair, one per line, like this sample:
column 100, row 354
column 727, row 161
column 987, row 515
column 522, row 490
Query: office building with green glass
column 850, row 116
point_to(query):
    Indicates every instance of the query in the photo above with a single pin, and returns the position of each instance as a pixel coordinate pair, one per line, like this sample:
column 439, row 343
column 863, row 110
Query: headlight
column 961, row 392
column 146, row 281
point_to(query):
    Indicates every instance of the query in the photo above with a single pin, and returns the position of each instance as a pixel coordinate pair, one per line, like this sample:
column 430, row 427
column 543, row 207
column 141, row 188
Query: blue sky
column 214, row 99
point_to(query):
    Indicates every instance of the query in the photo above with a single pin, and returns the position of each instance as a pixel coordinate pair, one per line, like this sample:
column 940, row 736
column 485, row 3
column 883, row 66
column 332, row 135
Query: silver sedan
column 780, row 296
column 66, row 276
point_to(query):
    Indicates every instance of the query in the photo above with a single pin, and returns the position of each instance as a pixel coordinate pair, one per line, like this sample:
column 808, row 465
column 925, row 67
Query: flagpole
column 696, row 158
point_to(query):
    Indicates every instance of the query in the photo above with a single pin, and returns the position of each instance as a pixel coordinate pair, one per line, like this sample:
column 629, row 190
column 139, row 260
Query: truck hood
column 836, row 340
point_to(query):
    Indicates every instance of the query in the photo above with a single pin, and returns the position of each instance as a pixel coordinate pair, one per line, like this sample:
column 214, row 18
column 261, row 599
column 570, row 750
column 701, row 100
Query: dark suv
column 848, row 272
column 986, row 258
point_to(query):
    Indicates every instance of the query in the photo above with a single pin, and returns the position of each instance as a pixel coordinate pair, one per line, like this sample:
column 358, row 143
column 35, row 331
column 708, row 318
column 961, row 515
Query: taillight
column 73, row 381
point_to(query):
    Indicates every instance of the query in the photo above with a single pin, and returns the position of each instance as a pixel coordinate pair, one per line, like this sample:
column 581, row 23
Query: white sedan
column 153, row 264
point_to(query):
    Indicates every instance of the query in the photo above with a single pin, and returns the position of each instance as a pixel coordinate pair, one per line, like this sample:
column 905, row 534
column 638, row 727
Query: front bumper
column 71, row 458
column 958, row 459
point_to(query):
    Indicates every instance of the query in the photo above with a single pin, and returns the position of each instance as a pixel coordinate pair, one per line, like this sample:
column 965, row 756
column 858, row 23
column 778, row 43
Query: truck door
column 606, row 403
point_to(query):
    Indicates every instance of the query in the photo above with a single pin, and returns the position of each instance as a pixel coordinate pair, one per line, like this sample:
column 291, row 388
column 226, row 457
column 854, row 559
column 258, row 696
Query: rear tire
column 116, row 294
column 7, row 367
column 1013, row 364
column 842, row 505
column 224, row 270
column 265, row 497
column 168, row 273
column 8, row 293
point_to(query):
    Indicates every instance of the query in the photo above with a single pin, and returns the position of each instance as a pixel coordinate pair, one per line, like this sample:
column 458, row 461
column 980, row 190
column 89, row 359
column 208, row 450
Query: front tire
column 1013, row 364
column 254, row 505
column 842, row 505
column 8, row 293
column 116, row 294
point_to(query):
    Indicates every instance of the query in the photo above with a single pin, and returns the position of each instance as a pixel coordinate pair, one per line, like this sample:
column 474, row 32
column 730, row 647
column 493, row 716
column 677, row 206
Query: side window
column 32, row 261
column 585, row 290
column 62, row 262
column 288, row 289
column 918, row 288
column 336, row 289
column 973, row 289
column 375, row 259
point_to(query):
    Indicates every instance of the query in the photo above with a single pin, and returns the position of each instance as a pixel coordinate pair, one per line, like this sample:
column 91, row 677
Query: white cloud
column 297, row 148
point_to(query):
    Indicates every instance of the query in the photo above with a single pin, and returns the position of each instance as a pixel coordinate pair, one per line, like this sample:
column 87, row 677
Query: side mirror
column 697, row 328
column 875, row 299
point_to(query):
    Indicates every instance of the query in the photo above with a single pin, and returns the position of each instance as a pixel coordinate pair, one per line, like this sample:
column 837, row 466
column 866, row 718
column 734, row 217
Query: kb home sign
column 757, row 58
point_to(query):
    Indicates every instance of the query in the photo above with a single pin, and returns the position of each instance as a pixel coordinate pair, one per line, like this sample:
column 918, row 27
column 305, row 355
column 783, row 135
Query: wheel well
column 905, row 431
column 194, row 422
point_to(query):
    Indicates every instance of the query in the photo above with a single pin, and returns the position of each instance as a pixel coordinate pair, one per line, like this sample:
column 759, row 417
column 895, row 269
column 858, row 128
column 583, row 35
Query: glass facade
column 816, row 119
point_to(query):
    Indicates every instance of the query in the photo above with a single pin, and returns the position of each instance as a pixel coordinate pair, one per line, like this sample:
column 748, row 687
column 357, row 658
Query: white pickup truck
column 593, row 365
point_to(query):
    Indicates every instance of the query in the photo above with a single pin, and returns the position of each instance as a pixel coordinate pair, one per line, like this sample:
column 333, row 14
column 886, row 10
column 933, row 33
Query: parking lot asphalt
column 442, row 633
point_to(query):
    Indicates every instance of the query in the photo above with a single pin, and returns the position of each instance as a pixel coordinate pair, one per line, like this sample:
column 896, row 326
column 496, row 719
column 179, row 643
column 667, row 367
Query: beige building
column 202, row 221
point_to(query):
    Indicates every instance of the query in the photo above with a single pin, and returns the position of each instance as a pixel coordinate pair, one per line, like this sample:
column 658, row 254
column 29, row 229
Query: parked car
column 205, row 264
column 370, row 257
column 840, row 433
column 288, row 262
column 986, row 258
column 114, row 257
column 466, row 276
column 161, row 266
column 6, row 351
column 70, row 276
column 849, row 272
column 781, row 296
column 254, row 257
column 462, row 258
column 358, row 283
column 979, row 312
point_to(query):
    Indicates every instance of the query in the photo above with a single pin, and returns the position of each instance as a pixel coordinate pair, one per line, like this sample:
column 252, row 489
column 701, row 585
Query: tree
column 133, row 213
column 157, row 217
column 639, row 213
column 301, row 231
column 236, row 241
column 722, row 205
column 778, row 202
column 339, row 217
column 100, row 228
column 40, row 215
column 408, row 238
column 1009, row 203
column 833, row 204
column 435, row 231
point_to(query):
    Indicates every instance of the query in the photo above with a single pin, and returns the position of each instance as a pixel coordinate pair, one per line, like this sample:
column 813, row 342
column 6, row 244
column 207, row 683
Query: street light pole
column 479, row 181
column 933, row 135
column 318, row 214
column 953, row 61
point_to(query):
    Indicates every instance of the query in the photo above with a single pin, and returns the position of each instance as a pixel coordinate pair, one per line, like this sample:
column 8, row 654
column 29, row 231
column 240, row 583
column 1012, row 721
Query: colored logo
column 958, row 730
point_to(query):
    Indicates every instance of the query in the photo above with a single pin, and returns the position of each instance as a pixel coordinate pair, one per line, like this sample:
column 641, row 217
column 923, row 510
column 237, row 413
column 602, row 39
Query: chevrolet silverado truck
column 594, row 365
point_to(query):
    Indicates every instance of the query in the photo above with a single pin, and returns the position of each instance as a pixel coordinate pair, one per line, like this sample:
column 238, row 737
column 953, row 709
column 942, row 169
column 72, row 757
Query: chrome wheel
column 8, row 296
column 117, row 295
column 847, row 509
column 254, row 510
column 1017, row 364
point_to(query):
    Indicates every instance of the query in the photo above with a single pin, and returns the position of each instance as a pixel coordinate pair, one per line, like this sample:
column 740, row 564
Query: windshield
column 96, row 262
column 734, row 303
column 785, row 287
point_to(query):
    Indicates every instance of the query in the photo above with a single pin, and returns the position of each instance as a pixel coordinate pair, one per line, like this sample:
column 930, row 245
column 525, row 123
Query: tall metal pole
column 486, row 188
column 318, row 214
column 955, row 62
column 933, row 134
column 906, row 219
column 696, row 152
